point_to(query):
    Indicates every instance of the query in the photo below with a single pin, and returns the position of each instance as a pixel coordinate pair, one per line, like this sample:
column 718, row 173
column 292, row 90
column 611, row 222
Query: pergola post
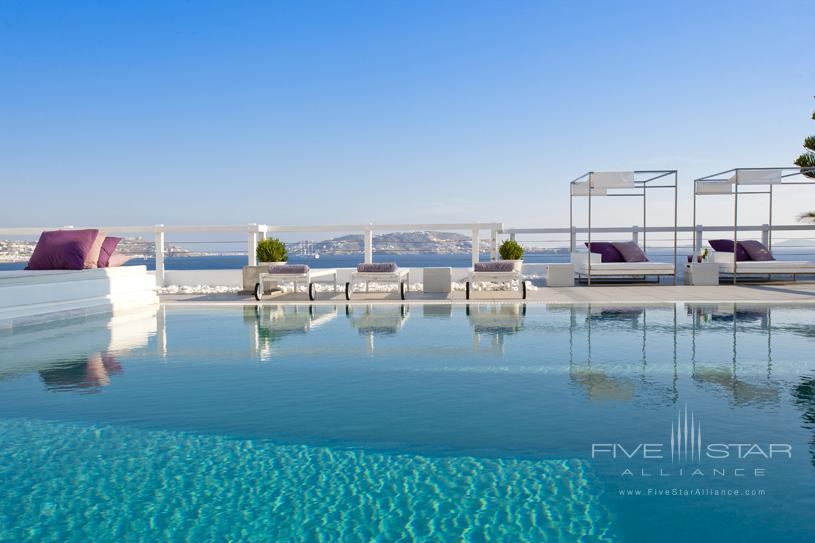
column 159, row 251
column 368, row 236
column 493, row 244
column 476, row 244
column 252, row 244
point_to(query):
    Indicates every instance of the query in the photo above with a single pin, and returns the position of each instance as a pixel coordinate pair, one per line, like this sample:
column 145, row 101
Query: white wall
column 219, row 278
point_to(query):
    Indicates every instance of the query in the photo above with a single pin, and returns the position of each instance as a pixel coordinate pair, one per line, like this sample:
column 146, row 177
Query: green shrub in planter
column 271, row 250
column 511, row 250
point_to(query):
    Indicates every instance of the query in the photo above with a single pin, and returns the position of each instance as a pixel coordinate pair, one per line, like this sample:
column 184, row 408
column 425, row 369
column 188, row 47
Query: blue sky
column 338, row 112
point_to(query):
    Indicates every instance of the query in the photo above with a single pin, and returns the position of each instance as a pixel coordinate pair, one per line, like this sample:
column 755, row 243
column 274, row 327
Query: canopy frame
column 737, row 177
column 640, row 183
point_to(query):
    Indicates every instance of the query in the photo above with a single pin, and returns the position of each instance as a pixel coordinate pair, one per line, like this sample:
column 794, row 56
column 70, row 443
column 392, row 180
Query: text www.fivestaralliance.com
column 691, row 492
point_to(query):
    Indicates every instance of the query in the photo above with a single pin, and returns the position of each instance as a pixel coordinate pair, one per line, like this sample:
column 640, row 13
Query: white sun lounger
column 618, row 269
column 399, row 276
column 309, row 277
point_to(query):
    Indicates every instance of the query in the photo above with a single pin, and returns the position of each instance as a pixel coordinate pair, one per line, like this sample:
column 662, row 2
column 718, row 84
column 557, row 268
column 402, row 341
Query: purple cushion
column 289, row 268
column 62, row 250
column 726, row 246
column 630, row 251
column 606, row 250
column 494, row 266
column 108, row 246
column 378, row 267
column 756, row 250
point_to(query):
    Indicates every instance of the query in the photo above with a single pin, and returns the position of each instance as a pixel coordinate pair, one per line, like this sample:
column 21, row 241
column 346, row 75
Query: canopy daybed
column 761, row 181
column 621, row 184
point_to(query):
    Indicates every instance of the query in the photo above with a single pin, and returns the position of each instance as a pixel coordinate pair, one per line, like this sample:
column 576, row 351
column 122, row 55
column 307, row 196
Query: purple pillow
column 62, row 250
column 726, row 246
column 756, row 250
column 494, row 266
column 377, row 267
column 607, row 251
column 108, row 246
column 289, row 268
column 630, row 251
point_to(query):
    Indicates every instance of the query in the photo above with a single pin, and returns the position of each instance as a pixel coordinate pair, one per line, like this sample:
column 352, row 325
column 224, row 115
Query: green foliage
column 807, row 159
column 271, row 250
column 511, row 250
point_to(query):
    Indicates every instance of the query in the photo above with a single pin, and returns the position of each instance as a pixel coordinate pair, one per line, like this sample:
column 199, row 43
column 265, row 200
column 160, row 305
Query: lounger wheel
column 258, row 291
column 523, row 290
column 467, row 290
column 402, row 290
column 347, row 291
column 311, row 291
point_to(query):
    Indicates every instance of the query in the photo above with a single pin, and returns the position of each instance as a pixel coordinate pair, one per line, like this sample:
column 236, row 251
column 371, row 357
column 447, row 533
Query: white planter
column 272, row 263
column 516, row 264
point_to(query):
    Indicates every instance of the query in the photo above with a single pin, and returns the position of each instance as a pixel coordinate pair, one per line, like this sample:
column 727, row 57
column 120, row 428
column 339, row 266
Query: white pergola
column 759, row 181
column 634, row 183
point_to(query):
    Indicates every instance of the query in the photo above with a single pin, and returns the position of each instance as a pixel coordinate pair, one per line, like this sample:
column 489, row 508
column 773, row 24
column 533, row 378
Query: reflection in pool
column 423, row 422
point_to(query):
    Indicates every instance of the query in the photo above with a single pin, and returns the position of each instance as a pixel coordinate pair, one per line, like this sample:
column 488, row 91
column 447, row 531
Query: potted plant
column 512, row 251
column 271, row 251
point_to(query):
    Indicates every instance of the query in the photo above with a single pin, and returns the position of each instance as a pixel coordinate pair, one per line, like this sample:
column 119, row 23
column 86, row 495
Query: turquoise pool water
column 411, row 423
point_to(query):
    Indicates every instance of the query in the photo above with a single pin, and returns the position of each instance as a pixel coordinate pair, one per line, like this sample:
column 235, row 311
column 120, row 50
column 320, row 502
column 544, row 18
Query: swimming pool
column 413, row 422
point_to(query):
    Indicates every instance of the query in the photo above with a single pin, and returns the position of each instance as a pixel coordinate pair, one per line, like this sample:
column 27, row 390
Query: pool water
column 411, row 423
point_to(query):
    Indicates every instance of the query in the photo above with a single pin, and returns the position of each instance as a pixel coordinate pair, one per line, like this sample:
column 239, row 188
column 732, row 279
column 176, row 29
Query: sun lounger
column 495, row 272
column 384, row 272
column 296, row 274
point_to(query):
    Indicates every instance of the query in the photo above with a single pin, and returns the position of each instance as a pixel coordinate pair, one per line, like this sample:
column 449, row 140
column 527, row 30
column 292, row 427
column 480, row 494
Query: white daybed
column 307, row 277
column 739, row 182
column 495, row 277
column 399, row 276
column 618, row 269
column 634, row 184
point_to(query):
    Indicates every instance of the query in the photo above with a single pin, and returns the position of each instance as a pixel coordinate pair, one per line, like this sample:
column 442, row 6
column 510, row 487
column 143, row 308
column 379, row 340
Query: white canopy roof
column 756, row 177
column 714, row 187
column 612, row 180
column 581, row 188
column 602, row 181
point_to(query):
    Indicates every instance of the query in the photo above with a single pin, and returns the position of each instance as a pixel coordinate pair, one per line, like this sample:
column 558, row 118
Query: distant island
column 424, row 242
